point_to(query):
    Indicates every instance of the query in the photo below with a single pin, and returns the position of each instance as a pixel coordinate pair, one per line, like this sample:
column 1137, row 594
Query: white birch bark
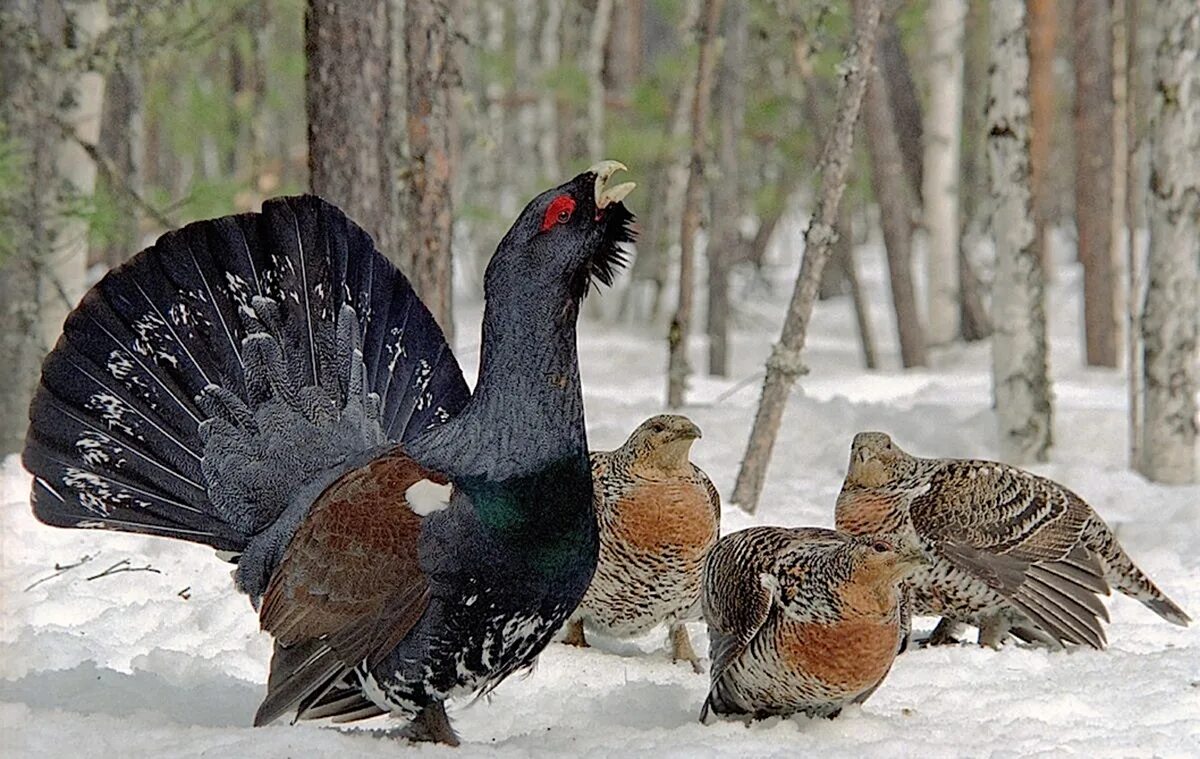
column 525, row 85
column 595, row 70
column 67, row 264
column 1019, row 373
column 1171, row 316
column 943, row 129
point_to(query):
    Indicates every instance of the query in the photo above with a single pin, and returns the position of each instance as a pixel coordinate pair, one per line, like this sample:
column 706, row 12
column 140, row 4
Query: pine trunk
column 1094, row 128
column 1020, row 378
column 783, row 367
column 678, row 366
column 903, row 103
column 724, row 246
column 120, row 140
column 893, row 194
column 1171, row 316
column 432, row 80
column 943, row 138
column 352, row 157
column 1043, row 29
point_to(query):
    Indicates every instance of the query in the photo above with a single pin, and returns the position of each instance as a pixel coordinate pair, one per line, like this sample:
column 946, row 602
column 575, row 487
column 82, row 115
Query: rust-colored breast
column 847, row 657
column 864, row 512
column 654, row 517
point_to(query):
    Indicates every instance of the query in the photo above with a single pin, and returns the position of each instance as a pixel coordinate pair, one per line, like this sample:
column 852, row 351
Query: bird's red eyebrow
column 557, row 206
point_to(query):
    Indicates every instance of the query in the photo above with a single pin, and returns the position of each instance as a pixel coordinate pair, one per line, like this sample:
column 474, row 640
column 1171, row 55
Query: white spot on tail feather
column 426, row 497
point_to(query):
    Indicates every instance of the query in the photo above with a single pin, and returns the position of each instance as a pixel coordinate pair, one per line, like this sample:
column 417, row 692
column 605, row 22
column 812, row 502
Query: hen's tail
column 208, row 384
column 1124, row 575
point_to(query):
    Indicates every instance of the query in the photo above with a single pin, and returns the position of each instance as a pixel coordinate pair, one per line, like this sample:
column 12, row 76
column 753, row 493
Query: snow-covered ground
column 170, row 663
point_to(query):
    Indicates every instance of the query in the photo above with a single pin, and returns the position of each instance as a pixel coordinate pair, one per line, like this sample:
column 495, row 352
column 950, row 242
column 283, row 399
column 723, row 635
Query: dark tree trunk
column 1094, row 179
column 727, row 211
column 1043, row 28
column 121, row 139
column 904, row 104
column 432, row 80
column 352, row 156
column 893, row 194
column 678, row 367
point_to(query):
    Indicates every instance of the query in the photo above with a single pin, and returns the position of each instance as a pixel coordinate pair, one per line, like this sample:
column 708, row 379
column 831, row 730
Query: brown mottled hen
column 658, row 515
column 1009, row 550
column 802, row 620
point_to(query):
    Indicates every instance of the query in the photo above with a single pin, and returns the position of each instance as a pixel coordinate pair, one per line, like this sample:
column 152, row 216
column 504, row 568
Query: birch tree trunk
column 547, row 99
column 678, row 367
column 595, row 68
column 1019, row 373
column 432, row 81
column 1171, row 316
column 48, row 107
column 783, row 367
column 120, row 137
column 725, row 243
column 894, row 196
column 1094, row 143
column 943, row 139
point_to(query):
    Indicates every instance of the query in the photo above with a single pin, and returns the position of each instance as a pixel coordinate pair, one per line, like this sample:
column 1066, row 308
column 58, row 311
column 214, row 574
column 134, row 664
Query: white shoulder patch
column 426, row 497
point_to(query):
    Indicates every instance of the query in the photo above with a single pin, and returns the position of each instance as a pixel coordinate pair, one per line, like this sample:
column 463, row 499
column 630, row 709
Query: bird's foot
column 575, row 636
column 992, row 632
column 681, row 648
column 945, row 634
column 431, row 725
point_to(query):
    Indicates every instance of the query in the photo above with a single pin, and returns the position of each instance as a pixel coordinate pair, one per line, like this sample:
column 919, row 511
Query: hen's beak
column 605, row 195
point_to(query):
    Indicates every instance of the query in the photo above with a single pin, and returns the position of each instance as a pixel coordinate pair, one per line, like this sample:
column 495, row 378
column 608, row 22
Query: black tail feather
column 198, row 385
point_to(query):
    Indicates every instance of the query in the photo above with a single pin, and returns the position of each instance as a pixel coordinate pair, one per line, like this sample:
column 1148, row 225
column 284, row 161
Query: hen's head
column 565, row 239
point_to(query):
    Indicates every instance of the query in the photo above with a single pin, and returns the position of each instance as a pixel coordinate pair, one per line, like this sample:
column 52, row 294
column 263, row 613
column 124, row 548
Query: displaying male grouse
column 802, row 620
column 659, row 515
column 1009, row 550
column 268, row 384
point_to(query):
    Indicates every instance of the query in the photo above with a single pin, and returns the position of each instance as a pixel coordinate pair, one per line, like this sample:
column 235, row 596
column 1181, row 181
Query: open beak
column 605, row 195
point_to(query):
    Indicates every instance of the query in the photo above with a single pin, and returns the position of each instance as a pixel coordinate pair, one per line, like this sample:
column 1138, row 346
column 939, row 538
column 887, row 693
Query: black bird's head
column 565, row 239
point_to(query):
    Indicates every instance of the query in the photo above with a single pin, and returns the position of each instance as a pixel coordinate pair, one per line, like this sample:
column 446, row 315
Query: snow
column 170, row 663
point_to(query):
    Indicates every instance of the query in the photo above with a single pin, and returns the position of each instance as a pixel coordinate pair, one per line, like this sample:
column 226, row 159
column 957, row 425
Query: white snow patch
column 426, row 496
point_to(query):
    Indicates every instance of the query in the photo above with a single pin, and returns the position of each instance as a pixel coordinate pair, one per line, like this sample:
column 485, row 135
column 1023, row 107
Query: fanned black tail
column 199, row 387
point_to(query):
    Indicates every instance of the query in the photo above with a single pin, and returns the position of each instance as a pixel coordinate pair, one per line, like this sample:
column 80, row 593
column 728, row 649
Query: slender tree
column 943, row 138
column 120, row 138
column 1043, row 31
column 726, row 193
column 678, row 368
column 1171, row 316
column 893, row 193
column 784, row 366
column 1094, row 179
column 1020, row 378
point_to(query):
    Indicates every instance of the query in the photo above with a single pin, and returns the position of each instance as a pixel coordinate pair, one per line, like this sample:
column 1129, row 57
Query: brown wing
column 714, row 498
column 349, row 587
column 1021, row 535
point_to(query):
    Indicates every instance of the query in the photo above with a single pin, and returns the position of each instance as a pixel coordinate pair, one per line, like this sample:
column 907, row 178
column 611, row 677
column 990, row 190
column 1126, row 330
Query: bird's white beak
column 605, row 195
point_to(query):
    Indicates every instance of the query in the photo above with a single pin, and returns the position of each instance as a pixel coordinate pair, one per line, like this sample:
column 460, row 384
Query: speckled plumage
column 802, row 620
column 1009, row 550
column 658, row 516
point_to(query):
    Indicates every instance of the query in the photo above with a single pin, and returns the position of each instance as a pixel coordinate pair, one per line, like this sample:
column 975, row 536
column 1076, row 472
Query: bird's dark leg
column 945, row 634
column 575, row 636
column 430, row 726
column 681, row 647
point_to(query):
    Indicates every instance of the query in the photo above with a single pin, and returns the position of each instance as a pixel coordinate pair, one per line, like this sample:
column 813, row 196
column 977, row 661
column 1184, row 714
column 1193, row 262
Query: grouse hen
column 659, row 515
column 268, row 384
column 802, row 620
column 1009, row 550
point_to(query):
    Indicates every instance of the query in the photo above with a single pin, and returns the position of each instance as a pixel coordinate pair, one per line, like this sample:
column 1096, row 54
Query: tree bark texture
column 678, row 367
column 352, row 157
column 120, row 139
column 903, row 101
column 943, row 137
column 1171, row 316
column 432, row 80
column 783, row 367
column 724, row 246
column 1043, row 29
column 1094, row 212
column 894, row 196
column 1019, row 372
column 48, row 106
